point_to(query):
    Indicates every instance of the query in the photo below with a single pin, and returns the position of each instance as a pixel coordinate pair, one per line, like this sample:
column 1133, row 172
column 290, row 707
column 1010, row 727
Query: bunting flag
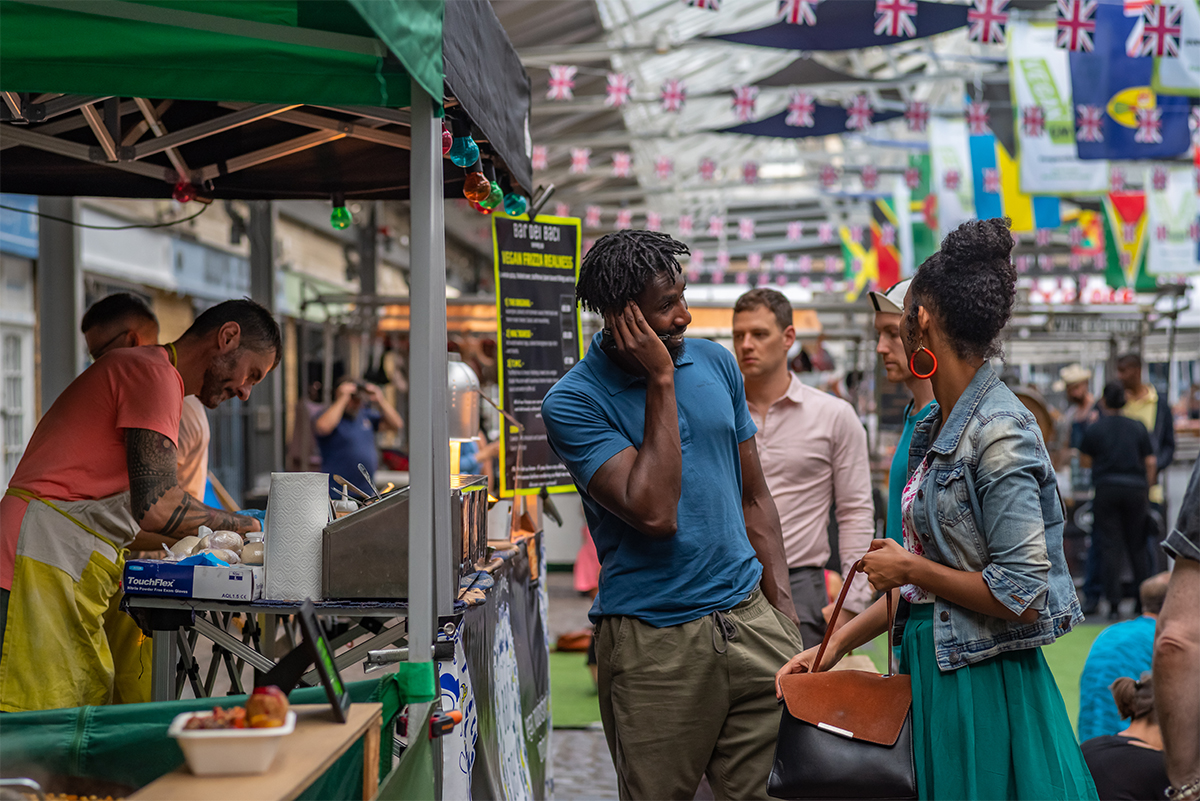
column 562, row 82
column 1043, row 237
column 800, row 110
column 859, row 113
column 798, row 12
column 619, row 90
column 895, row 18
column 591, row 217
column 850, row 24
column 1172, row 214
column 825, row 233
column 1125, row 240
column 922, row 213
column 562, row 210
column 1033, row 121
column 794, row 231
column 977, row 117
column 997, row 188
column 754, row 261
column 746, row 228
column 708, row 168
column 1179, row 74
column 716, row 225
column 916, row 114
column 540, row 158
column 1194, row 126
column 744, row 99
column 622, row 164
column 673, row 95
column 950, row 155
column 685, row 225
column 912, row 177
column 707, row 5
column 663, row 167
column 1161, row 29
column 1075, row 25
column 653, row 221
column 858, row 263
column 1158, row 179
column 856, row 232
column 884, row 221
column 579, row 160
column 829, row 176
column 869, row 177
column 986, row 21
column 624, row 218
column 1116, row 180
column 722, row 259
column 750, row 172
column 1090, row 123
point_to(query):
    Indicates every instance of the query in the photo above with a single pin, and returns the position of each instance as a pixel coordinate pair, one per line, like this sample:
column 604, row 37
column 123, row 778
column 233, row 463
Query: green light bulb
column 341, row 218
column 494, row 198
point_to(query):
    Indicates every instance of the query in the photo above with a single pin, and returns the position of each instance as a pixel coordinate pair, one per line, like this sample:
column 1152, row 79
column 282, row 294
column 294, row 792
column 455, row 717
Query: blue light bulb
column 514, row 204
column 464, row 152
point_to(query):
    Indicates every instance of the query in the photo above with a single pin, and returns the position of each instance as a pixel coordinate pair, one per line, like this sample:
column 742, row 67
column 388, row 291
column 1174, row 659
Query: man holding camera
column 346, row 432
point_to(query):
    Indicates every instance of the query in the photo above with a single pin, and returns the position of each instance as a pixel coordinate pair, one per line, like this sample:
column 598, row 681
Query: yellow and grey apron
column 57, row 652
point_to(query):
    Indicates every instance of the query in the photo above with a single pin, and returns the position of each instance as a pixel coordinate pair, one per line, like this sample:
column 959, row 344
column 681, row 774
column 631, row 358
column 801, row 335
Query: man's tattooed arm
column 158, row 503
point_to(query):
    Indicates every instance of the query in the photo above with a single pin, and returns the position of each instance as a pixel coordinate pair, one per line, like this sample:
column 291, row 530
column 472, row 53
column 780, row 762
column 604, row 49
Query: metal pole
column 264, row 440
column 59, row 298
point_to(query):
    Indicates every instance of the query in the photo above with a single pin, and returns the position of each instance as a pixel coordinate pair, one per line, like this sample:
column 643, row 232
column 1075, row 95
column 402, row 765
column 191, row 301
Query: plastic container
column 229, row 752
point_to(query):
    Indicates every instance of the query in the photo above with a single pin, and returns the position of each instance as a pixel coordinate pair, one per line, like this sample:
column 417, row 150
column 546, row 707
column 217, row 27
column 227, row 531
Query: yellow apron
column 58, row 651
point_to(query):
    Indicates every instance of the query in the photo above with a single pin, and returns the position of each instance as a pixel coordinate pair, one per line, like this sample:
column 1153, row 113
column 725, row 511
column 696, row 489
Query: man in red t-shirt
column 100, row 466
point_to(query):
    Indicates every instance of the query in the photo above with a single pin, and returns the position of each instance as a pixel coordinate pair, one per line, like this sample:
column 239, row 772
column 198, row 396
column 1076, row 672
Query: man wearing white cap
column 889, row 308
column 1081, row 406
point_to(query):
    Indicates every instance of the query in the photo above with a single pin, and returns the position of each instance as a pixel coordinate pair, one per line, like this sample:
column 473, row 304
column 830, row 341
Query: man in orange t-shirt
column 100, row 466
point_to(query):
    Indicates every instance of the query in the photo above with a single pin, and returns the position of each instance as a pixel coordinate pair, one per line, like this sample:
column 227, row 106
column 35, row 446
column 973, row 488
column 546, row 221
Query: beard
column 675, row 350
column 218, row 372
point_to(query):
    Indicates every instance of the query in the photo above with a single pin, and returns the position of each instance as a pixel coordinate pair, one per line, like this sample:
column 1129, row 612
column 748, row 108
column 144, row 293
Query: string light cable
column 203, row 209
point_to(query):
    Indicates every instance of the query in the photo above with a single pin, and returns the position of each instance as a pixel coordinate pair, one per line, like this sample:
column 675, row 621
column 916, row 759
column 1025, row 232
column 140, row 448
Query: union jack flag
column 916, row 114
column 622, row 164
column 1043, row 237
column 746, row 228
column 750, row 172
column 1194, row 125
column 1129, row 231
column 1194, row 231
column 794, row 231
column 798, row 12
column 805, row 281
column 991, row 181
column 754, row 261
column 744, row 98
column 912, row 177
column 952, row 179
column 1149, row 126
column 1076, row 24
column 1089, row 121
column 1022, row 263
column 1162, row 233
column 1162, row 30
column 800, row 110
column 562, row 82
column 591, row 217
column 697, row 260
column 1098, row 261
column 859, row 113
column 805, row 264
column 829, row 175
column 741, row 278
column 685, row 225
column 673, row 94
column 895, row 17
column 723, row 259
column 618, row 90
column 1033, row 121
column 977, row 117
column 708, row 168
column 707, row 5
column 825, row 235
column 716, row 225
column 1045, row 262
column 540, row 158
column 579, row 160
column 562, row 210
column 987, row 20
column 653, row 221
column 1159, row 179
column 870, row 177
column 856, row 232
column 831, row 266
column 624, row 218
column 663, row 167
column 887, row 235
column 779, row 263
column 1076, row 236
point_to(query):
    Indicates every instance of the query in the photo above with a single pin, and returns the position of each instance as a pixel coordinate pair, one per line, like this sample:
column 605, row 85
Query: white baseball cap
column 891, row 301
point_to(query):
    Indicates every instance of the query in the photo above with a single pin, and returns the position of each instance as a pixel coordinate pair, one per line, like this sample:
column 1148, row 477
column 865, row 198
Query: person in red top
column 100, row 466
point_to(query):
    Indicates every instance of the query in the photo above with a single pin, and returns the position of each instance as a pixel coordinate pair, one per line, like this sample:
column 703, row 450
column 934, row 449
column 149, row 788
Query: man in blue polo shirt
column 346, row 430
column 661, row 445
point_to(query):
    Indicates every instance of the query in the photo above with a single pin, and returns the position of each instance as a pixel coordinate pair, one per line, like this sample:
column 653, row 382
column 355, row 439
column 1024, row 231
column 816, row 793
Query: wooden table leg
column 371, row 760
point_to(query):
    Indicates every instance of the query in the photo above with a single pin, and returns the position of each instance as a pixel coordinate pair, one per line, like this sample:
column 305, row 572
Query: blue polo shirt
column 598, row 410
column 351, row 443
column 898, row 475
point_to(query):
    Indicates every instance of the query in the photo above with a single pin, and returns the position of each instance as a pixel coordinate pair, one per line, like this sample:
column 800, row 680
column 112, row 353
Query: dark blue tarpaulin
column 827, row 120
column 847, row 25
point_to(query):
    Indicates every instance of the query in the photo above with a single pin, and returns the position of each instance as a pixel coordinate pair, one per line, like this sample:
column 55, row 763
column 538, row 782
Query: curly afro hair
column 969, row 285
column 621, row 264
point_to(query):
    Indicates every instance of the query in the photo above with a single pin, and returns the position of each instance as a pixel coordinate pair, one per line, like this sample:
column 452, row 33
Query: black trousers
column 1119, row 526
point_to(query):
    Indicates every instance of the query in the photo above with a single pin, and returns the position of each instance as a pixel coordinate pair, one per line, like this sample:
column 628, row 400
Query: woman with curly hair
column 981, row 574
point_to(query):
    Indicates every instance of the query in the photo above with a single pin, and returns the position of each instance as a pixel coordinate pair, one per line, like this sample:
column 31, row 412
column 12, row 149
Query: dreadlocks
column 621, row 264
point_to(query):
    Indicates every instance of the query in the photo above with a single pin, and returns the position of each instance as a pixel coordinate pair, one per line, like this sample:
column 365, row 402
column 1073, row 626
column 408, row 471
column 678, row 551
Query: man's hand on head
column 638, row 343
column 346, row 389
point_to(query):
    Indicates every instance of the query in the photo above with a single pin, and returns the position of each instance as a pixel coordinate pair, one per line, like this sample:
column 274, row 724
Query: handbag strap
column 837, row 608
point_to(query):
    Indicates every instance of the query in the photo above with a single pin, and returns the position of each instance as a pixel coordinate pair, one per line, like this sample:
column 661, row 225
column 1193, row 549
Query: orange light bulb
column 477, row 187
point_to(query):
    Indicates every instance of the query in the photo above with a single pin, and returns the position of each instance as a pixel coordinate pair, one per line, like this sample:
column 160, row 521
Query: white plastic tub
column 229, row 752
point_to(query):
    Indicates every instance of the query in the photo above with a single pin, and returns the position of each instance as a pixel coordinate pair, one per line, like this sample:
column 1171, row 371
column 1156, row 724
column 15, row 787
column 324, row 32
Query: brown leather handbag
column 845, row 733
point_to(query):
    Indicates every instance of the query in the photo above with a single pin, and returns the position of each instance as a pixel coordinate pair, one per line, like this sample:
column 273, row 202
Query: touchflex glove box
column 154, row 577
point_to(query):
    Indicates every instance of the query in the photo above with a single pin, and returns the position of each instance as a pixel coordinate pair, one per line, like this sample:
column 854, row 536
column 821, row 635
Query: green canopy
column 317, row 52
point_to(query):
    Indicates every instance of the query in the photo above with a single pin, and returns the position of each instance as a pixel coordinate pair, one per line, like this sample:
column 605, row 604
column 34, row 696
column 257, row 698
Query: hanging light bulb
column 183, row 192
column 340, row 218
column 495, row 196
column 515, row 204
column 476, row 187
column 447, row 139
column 479, row 208
column 463, row 152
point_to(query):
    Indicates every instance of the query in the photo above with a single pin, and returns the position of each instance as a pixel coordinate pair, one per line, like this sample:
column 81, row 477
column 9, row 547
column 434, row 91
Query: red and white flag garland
column 1162, row 30
column 825, row 233
column 562, row 82
column 1089, row 122
column 800, row 109
column 619, row 89
column 986, row 21
column 798, row 12
column 540, row 158
column 1042, row 237
column 673, row 95
column 750, row 172
column 624, row 218
column 716, row 225
column 916, row 114
column 870, row 177
column 856, row 232
column 1116, row 181
column 562, row 210
column 991, row 181
column 580, row 157
column 1075, row 236
column 912, row 177
column 663, row 167
column 895, row 17
column 746, row 228
column 977, row 118
column 805, row 263
column 622, row 164
column 1159, row 179
column 754, row 261
column 794, row 231
column 653, row 221
column 707, row 5
column 1076, row 24
column 859, row 113
column 1194, row 125
column 1033, row 121
column 887, row 235
column 832, row 263
column 744, row 99
column 829, row 176
column 952, row 179
column 591, row 217
column 722, row 259
column 685, row 225
column 779, row 262
column 708, row 168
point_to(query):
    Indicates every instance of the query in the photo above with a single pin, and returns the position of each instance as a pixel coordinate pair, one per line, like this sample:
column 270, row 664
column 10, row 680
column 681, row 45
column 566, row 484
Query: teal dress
column 996, row 729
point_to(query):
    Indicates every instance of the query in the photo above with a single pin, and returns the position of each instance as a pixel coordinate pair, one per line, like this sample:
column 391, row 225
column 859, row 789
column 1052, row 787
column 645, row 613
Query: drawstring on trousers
column 724, row 627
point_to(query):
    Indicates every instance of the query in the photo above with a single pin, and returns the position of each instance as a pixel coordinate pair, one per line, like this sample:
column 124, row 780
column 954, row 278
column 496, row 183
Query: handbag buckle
column 849, row 735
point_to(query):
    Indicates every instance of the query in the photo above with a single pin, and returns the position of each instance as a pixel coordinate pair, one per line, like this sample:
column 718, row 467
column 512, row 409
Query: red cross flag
column 653, row 221
column 794, row 231
column 801, row 106
column 624, row 218
column 750, row 172
column 825, row 233
column 798, row 12
column 986, row 21
column 859, row 113
column 870, row 177
column 708, row 168
column 562, row 210
column 579, row 160
column 707, row 5
column 1033, row 121
column 991, row 181
column 829, row 175
column 746, row 228
column 1149, row 126
column 1043, row 237
column 622, row 164
column 887, row 235
column 540, row 158
column 977, row 117
column 895, row 17
column 952, row 178
column 912, row 177
column 685, row 225
column 744, row 98
column 663, row 167
column 562, row 82
column 716, row 225
column 1159, row 179
column 1089, row 122
column 591, row 217
column 1162, row 30
column 673, row 94
column 916, row 114
column 1076, row 24
column 618, row 90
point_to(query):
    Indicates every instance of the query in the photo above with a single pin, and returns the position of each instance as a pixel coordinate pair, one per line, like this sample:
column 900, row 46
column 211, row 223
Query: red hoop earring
column 913, row 359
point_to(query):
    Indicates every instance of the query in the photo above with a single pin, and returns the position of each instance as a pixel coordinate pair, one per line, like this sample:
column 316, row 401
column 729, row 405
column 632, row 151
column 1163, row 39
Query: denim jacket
column 989, row 504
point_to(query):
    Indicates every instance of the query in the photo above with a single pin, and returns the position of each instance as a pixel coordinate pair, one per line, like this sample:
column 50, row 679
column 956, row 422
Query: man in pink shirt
column 814, row 455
